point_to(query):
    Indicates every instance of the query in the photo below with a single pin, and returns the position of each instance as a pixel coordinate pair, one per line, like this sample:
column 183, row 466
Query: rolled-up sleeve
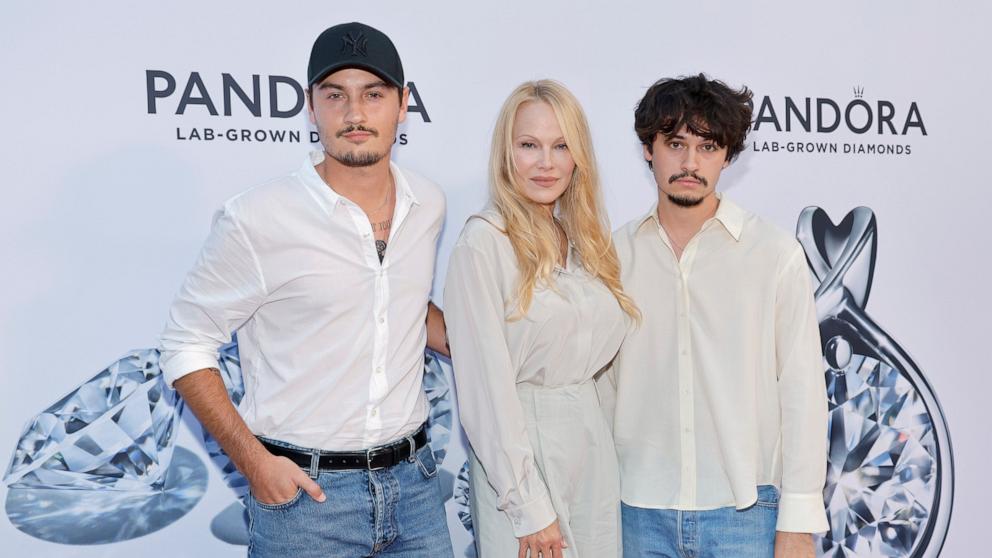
column 219, row 294
column 489, row 409
column 803, row 399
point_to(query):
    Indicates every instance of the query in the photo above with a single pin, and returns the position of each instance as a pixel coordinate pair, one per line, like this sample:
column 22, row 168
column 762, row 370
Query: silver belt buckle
column 368, row 458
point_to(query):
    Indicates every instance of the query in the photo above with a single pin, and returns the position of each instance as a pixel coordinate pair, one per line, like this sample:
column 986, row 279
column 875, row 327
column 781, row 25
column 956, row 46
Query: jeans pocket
column 425, row 461
column 279, row 506
column 768, row 496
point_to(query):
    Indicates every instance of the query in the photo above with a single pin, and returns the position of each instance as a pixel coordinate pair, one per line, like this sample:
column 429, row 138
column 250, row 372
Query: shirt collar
column 652, row 214
column 329, row 199
column 728, row 214
column 731, row 216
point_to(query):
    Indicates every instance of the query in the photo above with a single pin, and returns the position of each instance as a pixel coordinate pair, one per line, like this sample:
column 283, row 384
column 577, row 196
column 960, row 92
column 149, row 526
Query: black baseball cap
column 354, row 45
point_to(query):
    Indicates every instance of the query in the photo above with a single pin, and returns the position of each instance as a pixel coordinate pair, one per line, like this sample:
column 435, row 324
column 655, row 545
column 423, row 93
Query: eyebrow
column 331, row 85
column 683, row 137
column 522, row 136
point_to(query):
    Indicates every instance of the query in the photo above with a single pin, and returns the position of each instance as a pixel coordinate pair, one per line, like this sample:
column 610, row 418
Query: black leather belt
column 372, row 459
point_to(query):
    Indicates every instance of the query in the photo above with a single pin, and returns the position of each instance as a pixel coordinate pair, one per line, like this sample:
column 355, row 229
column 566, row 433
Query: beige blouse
column 569, row 334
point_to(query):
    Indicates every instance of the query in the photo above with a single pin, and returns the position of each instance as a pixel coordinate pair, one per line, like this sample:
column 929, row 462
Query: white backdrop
column 104, row 208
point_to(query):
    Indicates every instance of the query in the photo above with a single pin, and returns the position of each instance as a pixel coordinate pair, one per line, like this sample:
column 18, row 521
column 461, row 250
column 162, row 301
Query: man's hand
column 275, row 480
column 794, row 545
column 546, row 543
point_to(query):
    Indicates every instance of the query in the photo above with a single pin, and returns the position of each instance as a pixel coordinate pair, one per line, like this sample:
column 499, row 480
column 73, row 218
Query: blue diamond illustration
column 463, row 495
column 116, row 431
column 439, row 396
column 890, row 481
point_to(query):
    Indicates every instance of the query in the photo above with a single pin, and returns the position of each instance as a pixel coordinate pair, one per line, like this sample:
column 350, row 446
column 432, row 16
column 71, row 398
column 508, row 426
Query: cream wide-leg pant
column 574, row 451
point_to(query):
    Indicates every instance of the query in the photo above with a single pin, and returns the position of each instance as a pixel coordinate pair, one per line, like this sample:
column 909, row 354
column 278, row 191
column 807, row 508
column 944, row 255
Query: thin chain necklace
column 681, row 247
column 384, row 202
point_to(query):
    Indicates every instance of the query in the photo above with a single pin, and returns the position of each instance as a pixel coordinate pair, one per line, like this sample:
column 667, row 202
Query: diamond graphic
column 463, row 489
column 439, row 396
column 881, row 472
column 87, row 517
column 116, row 431
column 890, row 482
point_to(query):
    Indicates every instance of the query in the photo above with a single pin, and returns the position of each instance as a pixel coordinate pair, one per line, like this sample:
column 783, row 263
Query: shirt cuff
column 176, row 365
column 802, row 513
column 531, row 517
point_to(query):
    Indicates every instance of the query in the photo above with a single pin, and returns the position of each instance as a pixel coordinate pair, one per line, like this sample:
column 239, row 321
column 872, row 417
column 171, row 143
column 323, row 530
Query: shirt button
column 378, row 370
column 375, row 412
column 382, row 319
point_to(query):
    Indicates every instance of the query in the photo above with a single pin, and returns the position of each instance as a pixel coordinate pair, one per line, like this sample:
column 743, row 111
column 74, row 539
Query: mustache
column 687, row 174
column 356, row 128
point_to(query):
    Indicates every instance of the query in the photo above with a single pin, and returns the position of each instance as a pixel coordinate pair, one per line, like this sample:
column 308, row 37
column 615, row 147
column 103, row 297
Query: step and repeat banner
column 126, row 125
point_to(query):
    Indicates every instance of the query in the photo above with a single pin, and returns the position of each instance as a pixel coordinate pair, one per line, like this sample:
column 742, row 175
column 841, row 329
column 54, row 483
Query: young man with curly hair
column 721, row 415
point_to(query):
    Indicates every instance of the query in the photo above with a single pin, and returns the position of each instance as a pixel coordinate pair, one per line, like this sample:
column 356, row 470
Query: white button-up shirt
column 721, row 388
column 331, row 341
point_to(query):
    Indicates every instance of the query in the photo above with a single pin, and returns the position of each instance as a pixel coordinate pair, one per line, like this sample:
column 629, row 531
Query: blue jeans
column 719, row 533
column 395, row 512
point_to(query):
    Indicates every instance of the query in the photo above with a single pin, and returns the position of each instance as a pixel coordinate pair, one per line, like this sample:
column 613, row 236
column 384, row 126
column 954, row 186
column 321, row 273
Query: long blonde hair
column 532, row 234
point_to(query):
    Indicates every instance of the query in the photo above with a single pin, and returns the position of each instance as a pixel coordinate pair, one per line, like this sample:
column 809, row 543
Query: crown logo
column 859, row 91
column 355, row 45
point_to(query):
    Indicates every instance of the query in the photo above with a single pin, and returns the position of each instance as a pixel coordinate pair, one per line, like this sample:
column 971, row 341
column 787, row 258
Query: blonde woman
column 535, row 310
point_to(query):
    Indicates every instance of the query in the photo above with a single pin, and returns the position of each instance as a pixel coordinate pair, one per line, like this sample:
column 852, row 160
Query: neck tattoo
column 381, row 225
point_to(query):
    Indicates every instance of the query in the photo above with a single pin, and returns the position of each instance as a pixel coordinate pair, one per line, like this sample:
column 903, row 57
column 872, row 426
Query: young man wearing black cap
column 325, row 274
column 721, row 410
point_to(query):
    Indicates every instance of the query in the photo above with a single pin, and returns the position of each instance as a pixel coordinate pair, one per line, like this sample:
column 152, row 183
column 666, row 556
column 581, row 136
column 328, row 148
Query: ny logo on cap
column 355, row 45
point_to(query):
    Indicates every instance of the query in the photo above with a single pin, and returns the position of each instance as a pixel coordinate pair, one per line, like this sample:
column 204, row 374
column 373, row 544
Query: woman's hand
column 546, row 543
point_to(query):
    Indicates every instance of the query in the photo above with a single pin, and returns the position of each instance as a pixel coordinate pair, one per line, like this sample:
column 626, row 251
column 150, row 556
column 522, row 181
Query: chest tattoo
column 381, row 227
column 380, row 248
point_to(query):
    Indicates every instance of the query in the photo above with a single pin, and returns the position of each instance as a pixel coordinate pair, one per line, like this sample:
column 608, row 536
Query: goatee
column 685, row 201
column 360, row 159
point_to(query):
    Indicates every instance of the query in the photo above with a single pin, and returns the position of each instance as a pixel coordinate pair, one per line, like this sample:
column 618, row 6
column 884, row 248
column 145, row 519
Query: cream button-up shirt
column 331, row 340
column 721, row 389
column 570, row 333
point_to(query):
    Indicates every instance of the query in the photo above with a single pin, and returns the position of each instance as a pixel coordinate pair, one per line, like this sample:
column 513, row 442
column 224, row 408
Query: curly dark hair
column 708, row 108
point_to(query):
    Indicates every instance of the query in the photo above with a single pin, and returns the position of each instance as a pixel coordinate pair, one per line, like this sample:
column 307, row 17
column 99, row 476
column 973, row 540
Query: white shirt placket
column 378, row 382
column 686, row 374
